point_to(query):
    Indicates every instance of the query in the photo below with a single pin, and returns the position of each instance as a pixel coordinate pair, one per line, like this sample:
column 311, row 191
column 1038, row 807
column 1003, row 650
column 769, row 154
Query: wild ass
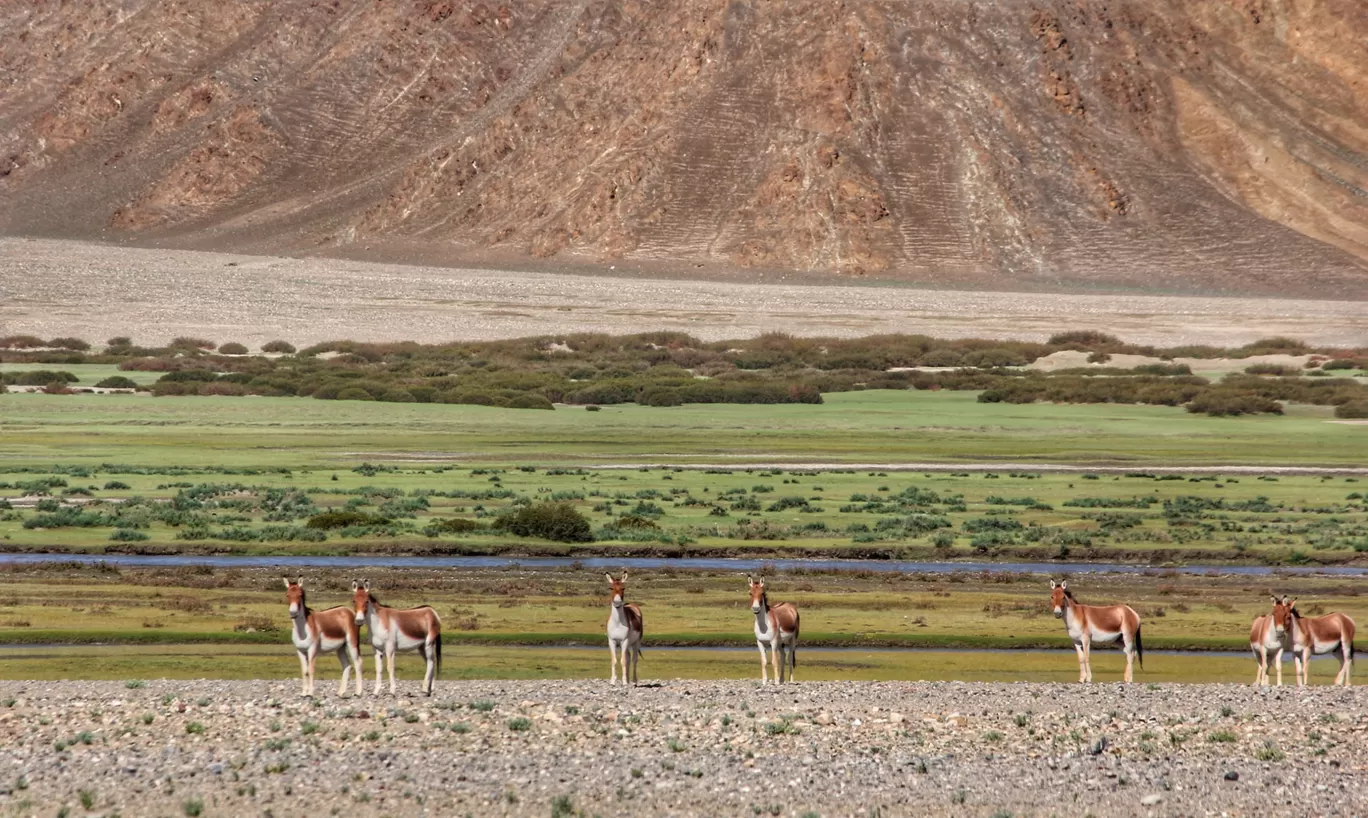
column 625, row 627
column 1097, row 623
column 1320, row 634
column 330, row 631
column 1269, row 633
column 776, row 627
column 399, row 629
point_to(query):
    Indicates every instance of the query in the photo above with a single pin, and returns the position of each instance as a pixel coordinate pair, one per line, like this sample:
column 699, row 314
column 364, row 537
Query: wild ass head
column 361, row 599
column 1059, row 597
column 1282, row 614
column 619, row 587
column 294, row 596
column 757, row 594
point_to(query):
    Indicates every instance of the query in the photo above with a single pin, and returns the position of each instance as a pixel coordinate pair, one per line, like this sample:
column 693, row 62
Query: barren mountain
column 1168, row 145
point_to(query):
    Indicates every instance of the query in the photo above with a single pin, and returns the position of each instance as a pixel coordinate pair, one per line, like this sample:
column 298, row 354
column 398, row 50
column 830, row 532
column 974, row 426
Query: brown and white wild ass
column 399, row 629
column 625, row 627
column 1269, row 633
column 314, row 632
column 1097, row 623
column 776, row 627
column 1320, row 634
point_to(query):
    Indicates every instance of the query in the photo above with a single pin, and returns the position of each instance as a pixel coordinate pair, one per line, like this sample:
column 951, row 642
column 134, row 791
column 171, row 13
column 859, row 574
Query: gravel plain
column 564, row 748
column 53, row 288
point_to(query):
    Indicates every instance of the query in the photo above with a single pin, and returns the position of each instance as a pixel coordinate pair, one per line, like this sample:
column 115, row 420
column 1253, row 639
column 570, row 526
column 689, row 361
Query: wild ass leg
column 1082, row 666
column 1277, row 660
column 389, row 659
column 636, row 657
column 764, row 668
column 1260, row 667
column 303, row 672
column 354, row 653
column 379, row 671
column 792, row 658
column 431, row 668
column 1087, row 658
column 776, row 651
column 1342, row 678
column 1129, row 648
column 612, row 657
column 313, row 662
column 1299, row 660
column 624, row 659
column 345, row 660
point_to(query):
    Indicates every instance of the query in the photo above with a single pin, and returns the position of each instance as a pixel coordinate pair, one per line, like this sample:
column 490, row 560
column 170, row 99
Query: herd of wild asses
column 338, row 630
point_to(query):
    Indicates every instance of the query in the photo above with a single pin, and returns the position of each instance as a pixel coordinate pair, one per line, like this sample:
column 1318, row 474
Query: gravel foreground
column 565, row 748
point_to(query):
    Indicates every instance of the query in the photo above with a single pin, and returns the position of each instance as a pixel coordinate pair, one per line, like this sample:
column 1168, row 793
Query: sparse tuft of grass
column 194, row 728
column 1222, row 737
column 520, row 724
column 193, row 806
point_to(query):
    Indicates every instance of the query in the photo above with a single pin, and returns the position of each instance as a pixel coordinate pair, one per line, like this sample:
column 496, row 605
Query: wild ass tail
column 437, row 657
column 1140, row 648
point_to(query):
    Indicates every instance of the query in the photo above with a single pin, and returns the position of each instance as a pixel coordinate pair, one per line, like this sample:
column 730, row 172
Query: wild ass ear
column 355, row 585
column 624, row 574
column 1275, row 598
column 287, row 582
column 1064, row 584
column 608, row 577
column 301, row 582
column 1293, row 603
column 1053, row 585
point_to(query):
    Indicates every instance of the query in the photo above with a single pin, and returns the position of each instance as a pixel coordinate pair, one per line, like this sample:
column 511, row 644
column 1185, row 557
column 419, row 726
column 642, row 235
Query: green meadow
column 875, row 426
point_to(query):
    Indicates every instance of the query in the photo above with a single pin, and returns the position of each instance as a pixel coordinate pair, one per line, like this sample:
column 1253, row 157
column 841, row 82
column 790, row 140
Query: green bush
column 232, row 348
column 75, row 344
column 343, row 519
column 1340, row 363
column 561, row 522
column 1219, row 403
column 1352, row 409
column 127, row 535
column 37, row 377
column 452, row 525
column 354, row 393
column 284, row 347
column 117, row 382
column 398, row 396
column 661, row 397
column 529, row 400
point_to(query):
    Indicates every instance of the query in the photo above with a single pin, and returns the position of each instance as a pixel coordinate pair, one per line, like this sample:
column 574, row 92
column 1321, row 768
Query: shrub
column 1218, row 403
column 283, row 347
column 69, row 343
column 188, row 342
column 561, row 522
column 354, row 393
column 127, row 535
column 21, row 342
column 119, row 342
column 529, row 400
column 222, row 388
column 1352, row 409
column 1339, row 363
column 38, row 377
column 1085, row 338
column 661, row 397
column 452, row 525
column 343, row 519
column 117, row 382
column 232, row 348
column 1271, row 369
column 398, row 396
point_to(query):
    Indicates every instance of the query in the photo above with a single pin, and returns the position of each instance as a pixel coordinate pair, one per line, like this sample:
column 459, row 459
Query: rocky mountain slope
column 1167, row 145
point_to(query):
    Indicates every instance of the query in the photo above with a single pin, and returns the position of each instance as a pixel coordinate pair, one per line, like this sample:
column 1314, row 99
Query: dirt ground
column 52, row 288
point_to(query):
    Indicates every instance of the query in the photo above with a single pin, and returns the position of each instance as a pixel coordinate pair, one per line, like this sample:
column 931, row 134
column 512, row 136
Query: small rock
column 896, row 718
column 1232, row 776
column 1151, row 800
column 1099, row 747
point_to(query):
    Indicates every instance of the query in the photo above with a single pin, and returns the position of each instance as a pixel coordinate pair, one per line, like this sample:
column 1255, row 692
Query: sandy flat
column 50, row 288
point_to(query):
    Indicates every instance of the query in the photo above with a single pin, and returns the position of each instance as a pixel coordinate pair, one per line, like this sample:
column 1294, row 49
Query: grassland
column 200, row 475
